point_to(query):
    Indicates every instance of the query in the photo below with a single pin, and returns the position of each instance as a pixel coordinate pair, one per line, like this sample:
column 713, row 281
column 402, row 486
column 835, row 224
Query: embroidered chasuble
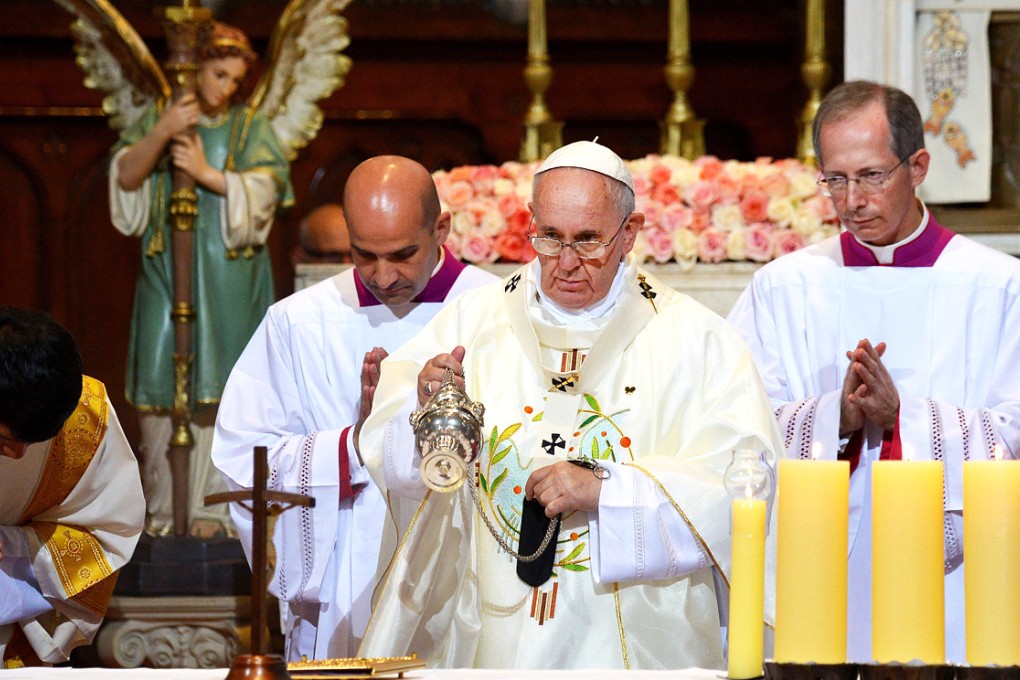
column 949, row 311
column 660, row 391
column 296, row 389
column 72, row 509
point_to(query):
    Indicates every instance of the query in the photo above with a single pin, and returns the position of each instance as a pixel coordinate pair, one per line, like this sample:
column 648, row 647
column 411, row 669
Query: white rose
column 502, row 187
column 802, row 185
column 685, row 248
column 461, row 222
column 492, row 223
column 736, row 244
column 640, row 249
column 806, row 223
column 781, row 211
column 684, row 175
column 727, row 217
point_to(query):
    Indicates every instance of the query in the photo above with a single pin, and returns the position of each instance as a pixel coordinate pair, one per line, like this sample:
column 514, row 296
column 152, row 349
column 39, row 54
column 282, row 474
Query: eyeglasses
column 586, row 250
column 870, row 182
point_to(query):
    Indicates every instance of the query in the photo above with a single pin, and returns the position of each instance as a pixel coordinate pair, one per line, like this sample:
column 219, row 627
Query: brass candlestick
column 682, row 133
column 816, row 72
column 542, row 134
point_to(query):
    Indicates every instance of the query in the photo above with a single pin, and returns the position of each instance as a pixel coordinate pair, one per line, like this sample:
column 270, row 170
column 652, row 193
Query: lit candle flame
column 996, row 452
column 816, row 450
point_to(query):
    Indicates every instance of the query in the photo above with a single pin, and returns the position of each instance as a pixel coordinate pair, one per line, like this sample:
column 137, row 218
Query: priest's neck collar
column 557, row 313
column 443, row 277
column 920, row 249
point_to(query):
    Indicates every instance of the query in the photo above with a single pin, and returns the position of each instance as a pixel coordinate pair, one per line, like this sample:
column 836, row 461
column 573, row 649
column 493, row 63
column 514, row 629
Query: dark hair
column 905, row 126
column 40, row 374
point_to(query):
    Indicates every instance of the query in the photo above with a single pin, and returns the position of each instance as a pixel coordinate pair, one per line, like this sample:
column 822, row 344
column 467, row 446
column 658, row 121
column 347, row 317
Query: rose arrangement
column 706, row 210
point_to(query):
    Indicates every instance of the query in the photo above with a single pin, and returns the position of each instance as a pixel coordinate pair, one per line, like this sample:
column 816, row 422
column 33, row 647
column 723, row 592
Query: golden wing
column 115, row 60
column 304, row 65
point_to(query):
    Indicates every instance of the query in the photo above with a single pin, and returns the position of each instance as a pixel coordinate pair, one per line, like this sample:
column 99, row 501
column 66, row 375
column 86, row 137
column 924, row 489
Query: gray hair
column 620, row 193
column 905, row 126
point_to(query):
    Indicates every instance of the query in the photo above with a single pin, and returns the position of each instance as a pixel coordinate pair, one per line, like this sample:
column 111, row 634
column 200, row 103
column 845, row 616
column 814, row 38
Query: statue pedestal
column 174, row 632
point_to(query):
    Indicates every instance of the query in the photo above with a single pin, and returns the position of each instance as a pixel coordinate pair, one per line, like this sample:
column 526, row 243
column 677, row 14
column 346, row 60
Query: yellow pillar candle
column 991, row 548
column 811, row 561
column 747, row 590
column 907, row 596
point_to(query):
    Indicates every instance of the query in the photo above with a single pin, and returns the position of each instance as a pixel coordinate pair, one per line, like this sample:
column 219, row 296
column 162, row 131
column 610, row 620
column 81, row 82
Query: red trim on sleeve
column 852, row 452
column 346, row 491
column 892, row 448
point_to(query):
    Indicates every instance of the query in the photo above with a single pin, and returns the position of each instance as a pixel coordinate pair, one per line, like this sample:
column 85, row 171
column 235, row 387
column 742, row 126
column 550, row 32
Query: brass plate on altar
column 354, row 668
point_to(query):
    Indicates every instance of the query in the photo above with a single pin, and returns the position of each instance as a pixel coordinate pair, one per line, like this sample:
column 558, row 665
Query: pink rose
column 676, row 216
column 823, row 207
column 642, row 186
column 652, row 210
column 518, row 222
column 710, row 167
column 462, row 174
column 483, row 177
column 514, row 247
column 458, row 193
column 712, row 245
column 754, row 206
column 666, row 193
column 786, row 241
column 477, row 248
column 701, row 194
column 659, row 174
column 728, row 189
column 776, row 185
column 508, row 205
column 748, row 183
column 758, row 242
column 453, row 243
column 701, row 219
column 660, row 245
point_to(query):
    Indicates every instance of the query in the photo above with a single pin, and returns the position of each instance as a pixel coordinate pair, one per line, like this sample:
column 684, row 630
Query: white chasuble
column 664, row 394
column 952, row 331
column 296, row 389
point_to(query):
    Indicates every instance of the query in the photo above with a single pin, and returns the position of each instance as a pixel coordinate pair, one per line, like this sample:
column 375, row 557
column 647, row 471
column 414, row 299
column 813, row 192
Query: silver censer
column 448, row 435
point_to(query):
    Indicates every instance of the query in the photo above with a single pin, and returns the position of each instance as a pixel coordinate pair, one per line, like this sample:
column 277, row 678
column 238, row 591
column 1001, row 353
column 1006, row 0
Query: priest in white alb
column 578, row 356
column 303, row 386
column 896, row 339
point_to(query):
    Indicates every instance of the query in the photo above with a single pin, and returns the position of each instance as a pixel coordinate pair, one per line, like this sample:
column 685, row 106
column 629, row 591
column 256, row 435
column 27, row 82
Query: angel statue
column 238, row 163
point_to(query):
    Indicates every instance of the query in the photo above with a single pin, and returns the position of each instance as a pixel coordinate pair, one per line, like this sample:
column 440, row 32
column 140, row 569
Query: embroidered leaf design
column 592, row 402
column 492, row 439
column 574, row 567
column 608, row 454
column 574, row 554
column 508, row 432
column 595, row 448
column 538, row 417
column 481, row 480
column 496, row 482
column 588, row 421
column 500, row 455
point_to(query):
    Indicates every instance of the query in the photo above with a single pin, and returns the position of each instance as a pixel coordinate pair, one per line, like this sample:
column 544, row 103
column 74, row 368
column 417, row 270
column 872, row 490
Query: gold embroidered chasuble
column 78, row 496
column 665, row 387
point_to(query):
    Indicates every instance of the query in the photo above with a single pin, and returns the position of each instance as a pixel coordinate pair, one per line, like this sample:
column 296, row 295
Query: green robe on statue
column 231, row 270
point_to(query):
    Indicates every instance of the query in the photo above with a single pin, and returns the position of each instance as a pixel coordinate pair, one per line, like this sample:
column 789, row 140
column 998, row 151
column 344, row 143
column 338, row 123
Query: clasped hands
column 186, row 149
column 869, row 393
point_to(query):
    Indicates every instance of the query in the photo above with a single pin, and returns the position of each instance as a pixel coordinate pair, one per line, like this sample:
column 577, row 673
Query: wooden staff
column 185, row 27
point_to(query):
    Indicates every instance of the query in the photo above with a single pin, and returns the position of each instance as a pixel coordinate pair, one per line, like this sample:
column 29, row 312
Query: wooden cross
column 263, row 504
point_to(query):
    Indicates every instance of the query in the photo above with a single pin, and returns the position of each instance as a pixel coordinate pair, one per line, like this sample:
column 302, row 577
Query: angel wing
column 115, row 60
column 305, row 65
